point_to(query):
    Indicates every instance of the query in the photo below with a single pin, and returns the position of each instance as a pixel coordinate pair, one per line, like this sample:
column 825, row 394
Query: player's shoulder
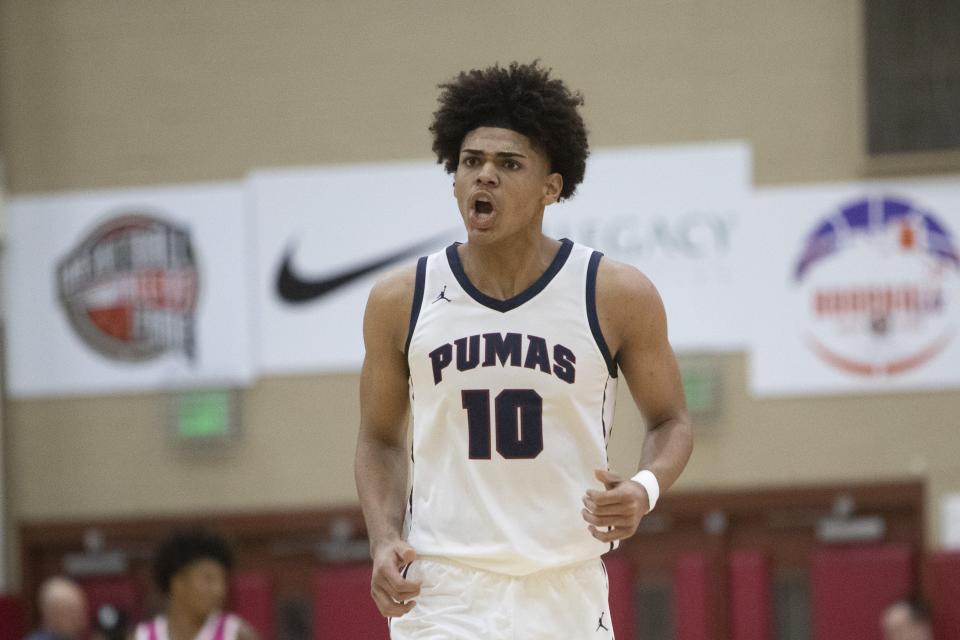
column 394, row 289
column 625, row 283
column 629, row 305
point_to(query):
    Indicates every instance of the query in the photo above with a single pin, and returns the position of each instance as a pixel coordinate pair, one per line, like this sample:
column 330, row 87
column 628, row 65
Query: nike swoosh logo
column 297, row 290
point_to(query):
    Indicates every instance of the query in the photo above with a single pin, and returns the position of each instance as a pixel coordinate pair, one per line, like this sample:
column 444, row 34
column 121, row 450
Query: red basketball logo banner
column 129, row 290
column 860, row 287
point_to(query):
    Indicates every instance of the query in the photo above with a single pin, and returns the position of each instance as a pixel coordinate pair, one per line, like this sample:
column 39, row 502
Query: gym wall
column 97, row 94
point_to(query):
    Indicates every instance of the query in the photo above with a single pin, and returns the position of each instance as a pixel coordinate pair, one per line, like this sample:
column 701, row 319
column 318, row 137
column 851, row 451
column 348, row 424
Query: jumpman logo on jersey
column 600, row 624
column 442, row 295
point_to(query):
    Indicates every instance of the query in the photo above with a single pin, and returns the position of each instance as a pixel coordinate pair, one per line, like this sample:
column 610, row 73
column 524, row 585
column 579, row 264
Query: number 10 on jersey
column 518, row 414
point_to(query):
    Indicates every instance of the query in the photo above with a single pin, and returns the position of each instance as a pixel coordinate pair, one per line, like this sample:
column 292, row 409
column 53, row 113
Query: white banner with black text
column 325, row 234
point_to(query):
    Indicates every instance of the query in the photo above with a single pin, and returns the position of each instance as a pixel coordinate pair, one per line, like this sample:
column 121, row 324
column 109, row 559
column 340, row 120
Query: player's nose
column 488, row 174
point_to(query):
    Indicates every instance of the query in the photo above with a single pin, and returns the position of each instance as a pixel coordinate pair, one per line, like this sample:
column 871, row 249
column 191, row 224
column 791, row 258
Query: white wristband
column 648, row 481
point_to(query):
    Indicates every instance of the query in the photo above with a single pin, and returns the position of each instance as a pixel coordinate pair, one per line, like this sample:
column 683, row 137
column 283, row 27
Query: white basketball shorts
column 458, row 602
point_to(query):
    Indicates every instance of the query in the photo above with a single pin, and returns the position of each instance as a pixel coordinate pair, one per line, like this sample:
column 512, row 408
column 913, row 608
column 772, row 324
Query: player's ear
column 175, row 584
column 552, row 188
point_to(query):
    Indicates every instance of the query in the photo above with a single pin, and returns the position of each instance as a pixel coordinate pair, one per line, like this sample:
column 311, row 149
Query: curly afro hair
column 185, row 547
column 523, row 98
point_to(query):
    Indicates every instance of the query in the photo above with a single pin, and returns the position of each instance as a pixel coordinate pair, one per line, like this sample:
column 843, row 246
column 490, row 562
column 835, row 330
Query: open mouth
column 482, row 213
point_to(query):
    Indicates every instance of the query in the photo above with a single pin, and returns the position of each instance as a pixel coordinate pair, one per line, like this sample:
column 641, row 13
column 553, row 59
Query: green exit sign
column 204, row 415
column 701, row 386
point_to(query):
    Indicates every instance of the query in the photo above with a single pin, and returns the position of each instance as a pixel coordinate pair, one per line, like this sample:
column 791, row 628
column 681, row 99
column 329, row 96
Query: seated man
column 906, row 620
column 63, row 611
column 191, row 569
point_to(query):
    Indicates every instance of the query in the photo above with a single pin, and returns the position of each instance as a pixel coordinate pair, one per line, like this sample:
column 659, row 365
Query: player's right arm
column 381, row 464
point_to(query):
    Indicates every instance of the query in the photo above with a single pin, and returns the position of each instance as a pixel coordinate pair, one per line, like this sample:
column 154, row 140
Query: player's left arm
column 634, row 325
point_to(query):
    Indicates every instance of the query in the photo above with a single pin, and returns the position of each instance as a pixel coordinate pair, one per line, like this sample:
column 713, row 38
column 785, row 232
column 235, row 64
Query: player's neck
column 182, row 624
column 505, row 269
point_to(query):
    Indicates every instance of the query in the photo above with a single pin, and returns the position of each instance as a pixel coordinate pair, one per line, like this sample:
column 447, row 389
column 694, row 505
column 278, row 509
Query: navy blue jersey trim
column 603, row 409
column 566, row 246
column 592, row 318
column 417, row 301
column 410, row 498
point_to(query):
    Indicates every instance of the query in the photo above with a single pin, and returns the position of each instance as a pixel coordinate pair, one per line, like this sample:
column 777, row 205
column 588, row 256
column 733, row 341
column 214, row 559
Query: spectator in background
column 191, row 569
column 906, row 620
column 63, row 611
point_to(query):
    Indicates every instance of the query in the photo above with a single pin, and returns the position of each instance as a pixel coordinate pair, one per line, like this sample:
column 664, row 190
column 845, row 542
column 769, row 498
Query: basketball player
column 191, row 569
column 509, row 348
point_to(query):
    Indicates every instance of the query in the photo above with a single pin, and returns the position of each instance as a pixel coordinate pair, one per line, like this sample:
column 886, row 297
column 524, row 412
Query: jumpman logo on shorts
column 442, row 295
column 600, row 624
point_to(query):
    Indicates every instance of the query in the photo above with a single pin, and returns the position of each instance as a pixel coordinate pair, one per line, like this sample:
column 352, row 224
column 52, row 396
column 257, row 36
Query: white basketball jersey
column 218, row 626
column 512, row 404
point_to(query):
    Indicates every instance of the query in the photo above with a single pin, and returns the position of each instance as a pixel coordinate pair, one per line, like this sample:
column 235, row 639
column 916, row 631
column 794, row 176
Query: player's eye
column 470, row 161
column 512, row 164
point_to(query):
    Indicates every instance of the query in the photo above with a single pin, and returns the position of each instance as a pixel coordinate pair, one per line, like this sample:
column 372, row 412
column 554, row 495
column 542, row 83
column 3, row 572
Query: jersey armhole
column 592, row 318
column 417, row 302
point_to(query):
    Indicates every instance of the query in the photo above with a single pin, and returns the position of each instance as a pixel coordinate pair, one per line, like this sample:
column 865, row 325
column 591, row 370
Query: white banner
column 675, row 214
column 856, row 287
column 323, row 238
column 325, row 234
column 129, row 290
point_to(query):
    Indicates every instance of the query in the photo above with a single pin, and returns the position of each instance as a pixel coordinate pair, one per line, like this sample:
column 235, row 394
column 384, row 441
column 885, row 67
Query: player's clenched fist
column 620, row 508
column 390, row 590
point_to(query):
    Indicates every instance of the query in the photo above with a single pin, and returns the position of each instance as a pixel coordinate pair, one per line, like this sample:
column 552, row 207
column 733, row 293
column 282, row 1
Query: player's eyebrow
column 499, row 154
